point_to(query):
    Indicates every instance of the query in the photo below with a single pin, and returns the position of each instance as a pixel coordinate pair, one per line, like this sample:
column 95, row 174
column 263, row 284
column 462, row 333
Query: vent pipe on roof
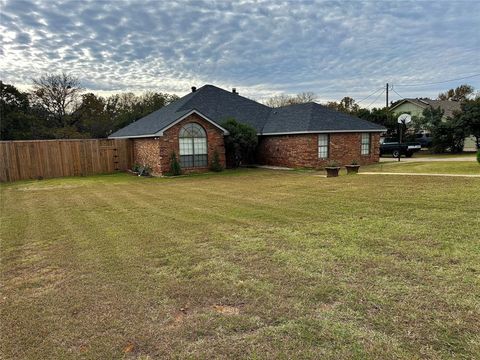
column 234, row 90
column 194, row 89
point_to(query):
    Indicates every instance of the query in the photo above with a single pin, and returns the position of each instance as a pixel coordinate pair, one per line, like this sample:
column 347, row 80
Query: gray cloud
column 263, row 48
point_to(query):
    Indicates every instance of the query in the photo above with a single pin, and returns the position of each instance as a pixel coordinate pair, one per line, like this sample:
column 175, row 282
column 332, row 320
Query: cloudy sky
column 262, row 48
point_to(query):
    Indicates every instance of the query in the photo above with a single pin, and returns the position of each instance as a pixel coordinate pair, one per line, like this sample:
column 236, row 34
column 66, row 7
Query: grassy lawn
column 252, row 263
column 443, row 167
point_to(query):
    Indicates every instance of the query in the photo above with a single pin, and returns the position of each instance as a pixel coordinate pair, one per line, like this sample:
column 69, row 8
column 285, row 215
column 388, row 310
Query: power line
column 402, row 97
column 373, row 93
column 376, row 98
column 440, row 82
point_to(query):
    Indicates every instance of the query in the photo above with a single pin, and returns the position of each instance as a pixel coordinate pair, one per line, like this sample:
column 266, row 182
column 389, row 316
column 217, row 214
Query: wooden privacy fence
column 35, row 159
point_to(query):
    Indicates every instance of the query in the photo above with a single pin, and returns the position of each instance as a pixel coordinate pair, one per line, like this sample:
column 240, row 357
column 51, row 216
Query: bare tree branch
column 57, row 94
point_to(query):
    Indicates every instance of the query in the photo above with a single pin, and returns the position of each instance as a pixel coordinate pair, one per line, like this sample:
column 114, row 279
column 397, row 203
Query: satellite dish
column 404, row 119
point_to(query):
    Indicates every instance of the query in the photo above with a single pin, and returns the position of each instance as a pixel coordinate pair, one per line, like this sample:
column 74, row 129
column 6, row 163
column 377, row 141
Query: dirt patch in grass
column 226, row 309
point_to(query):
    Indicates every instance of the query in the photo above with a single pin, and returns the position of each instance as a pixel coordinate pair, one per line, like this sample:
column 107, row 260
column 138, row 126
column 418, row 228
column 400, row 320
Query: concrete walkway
column 418, row 174
column 429, row 159
column 272, row 167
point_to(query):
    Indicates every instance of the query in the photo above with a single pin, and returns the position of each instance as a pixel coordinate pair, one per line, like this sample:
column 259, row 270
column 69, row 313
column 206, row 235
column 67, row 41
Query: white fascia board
column 323, row 132
column 160, row 133
column 132, row 137
column 411, row 102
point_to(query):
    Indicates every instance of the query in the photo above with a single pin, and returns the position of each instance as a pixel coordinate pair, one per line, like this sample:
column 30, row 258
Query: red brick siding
column 302, row 150
column 169, row 142
column 156, row 152
column 147, row 152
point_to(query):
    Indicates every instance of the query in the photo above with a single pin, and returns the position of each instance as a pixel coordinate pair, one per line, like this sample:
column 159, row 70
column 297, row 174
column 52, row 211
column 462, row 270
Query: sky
column 263, row 48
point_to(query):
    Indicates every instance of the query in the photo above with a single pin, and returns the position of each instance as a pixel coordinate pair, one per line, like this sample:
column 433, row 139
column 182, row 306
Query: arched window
column 193, row 146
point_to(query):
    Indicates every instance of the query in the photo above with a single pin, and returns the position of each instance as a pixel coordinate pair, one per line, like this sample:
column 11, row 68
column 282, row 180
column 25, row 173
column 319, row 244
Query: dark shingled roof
column 218, row 105
column 312, row 117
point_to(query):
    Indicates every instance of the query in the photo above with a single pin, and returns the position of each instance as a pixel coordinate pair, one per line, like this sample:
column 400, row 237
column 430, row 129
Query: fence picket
column 32, row 159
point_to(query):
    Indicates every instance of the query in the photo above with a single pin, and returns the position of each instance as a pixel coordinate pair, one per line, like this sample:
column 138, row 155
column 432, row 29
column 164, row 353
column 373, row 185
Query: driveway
column 430, row 158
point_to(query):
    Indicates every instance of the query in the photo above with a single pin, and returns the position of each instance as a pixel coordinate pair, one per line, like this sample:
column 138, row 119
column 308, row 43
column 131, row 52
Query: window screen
column 323, row 140
column 193, row 146
column 365, row 143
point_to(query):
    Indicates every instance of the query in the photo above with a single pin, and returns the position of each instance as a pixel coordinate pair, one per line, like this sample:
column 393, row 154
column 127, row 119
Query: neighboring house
column 415, row 107
column 305, row 135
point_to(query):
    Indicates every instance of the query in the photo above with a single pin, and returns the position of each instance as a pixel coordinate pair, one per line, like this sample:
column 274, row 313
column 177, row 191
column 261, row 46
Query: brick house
column 304, row 135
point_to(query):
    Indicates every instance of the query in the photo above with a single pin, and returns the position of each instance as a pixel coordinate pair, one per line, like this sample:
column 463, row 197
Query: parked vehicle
column 392, row 146
column 424, row 138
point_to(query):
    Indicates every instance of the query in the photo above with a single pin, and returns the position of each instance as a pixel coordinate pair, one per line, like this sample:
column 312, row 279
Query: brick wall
column 302, row 150
column 147, row 152
column 156, row 152
column 169, row 143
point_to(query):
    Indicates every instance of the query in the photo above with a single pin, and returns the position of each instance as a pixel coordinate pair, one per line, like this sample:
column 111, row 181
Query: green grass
column 439, row 167
column 242, row 264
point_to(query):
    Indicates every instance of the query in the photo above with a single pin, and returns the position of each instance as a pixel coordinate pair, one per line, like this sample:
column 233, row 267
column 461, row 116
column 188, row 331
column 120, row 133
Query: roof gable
column 160, row 133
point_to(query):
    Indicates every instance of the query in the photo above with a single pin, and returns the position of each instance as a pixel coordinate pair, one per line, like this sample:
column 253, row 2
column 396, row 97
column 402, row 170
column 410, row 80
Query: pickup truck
column 392, row 146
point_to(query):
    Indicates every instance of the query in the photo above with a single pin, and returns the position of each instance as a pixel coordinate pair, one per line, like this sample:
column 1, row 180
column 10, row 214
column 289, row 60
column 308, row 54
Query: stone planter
column 332, row 171
column 352, row 169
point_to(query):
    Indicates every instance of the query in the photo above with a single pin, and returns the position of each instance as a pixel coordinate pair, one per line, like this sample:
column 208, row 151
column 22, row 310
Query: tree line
column 57, row 108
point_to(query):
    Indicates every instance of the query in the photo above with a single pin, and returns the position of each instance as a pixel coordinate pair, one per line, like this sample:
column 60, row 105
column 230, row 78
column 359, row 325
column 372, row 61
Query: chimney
column 194, row 89
column 234, row 90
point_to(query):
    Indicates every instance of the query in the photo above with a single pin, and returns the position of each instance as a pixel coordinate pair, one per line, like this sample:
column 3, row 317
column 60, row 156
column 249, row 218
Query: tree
column 285, row 100
column 469, row 117
column 216, row 165
column 175, row 168
column 380, row 116
column 447, row 135
column 346, row 105
column 57, row 94
column 305, row 97
column 461, row 93
column 92, row 118
column 126, row 108
column 240, row 144
column 16, row 119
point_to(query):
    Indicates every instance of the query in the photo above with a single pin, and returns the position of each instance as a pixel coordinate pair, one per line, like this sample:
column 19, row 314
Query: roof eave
column 410, row 101
column 320, row 132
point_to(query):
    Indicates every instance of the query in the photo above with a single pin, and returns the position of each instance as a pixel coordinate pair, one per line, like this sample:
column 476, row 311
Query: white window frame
column 365, row 144
column 193, row 150
column 323, row 144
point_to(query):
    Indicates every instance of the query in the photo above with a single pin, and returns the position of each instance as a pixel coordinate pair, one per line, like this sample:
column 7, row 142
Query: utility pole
column 386, row 93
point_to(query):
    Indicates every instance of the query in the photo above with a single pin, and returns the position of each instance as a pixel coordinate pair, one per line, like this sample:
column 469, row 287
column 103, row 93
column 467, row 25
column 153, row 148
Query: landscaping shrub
column 478, row 156
column 240, row 144
column 144, row 170
column 175, row 168
column 333, row 164
column 216, row 164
